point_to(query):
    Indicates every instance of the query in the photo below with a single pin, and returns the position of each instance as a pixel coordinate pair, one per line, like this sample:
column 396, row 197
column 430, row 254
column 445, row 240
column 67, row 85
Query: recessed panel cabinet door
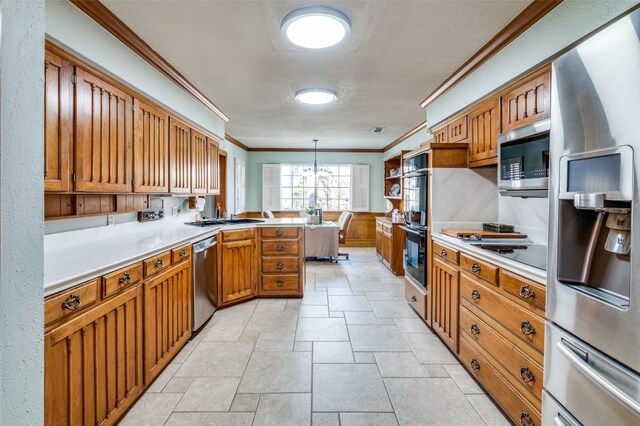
column 199, row 162
column 444, row 294
column 484, row 125
column 93, row 363
column 58, row 122
column 239, row 270
column 213, row 167
column 150, row 149
column 529, row 102
column 104, row 133
column 179, row 157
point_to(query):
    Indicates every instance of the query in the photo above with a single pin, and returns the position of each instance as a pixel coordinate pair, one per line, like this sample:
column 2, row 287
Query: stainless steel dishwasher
column 205, row 280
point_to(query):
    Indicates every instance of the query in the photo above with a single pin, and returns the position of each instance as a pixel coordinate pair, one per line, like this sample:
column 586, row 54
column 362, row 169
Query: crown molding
column 405, row 136
column 529, row 16
column 110, row 22
column 236, row 142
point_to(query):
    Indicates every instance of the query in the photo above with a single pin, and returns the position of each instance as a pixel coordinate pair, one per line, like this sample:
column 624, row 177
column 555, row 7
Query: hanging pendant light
column 315, row 169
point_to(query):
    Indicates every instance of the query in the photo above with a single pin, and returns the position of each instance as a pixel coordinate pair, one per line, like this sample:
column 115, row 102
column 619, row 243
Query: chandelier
column 315, row 169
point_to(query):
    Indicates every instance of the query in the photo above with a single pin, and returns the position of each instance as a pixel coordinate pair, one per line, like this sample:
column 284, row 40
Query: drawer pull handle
column 125, row 279
column 279, row 232
column 526, row 328
column 525, row 419
column 159, row 263
column 183, row 253
column 475, row 294
column 474, row 364
column 475, row 330
column 280, row 265
column 280, row 283
column 475, row 268
column 443, row 253
column 413, row 298
column 279, row 247
column 526, row 292
column 526, row 375
column 72, row 303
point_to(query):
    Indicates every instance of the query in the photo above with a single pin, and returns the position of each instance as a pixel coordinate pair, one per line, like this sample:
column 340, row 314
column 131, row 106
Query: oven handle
column 417, row 173
column 411, row 231
column 598, row 379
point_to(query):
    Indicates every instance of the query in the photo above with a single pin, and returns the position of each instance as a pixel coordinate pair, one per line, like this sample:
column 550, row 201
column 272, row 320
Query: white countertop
column 71, row 258
column 534, row 274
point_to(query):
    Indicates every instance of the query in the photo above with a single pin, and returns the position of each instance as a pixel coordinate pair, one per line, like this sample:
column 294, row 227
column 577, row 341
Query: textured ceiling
column 397, row 53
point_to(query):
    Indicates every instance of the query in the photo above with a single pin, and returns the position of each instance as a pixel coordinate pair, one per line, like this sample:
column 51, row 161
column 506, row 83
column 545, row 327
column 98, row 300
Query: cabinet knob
column 183, row 253
column 280, row 265
column 474, row 329
column 526, row 375
column 443, row 253
column 474, row 364
column 71, row 303
column 413, row 298
column 279, row 232
column 526, row 328
column 279, row 247
column 159, row 263
column 475, row 294
column 125, row 279
column 526, row 292
column 280, row 283
column 525, row 419
column 475, row 268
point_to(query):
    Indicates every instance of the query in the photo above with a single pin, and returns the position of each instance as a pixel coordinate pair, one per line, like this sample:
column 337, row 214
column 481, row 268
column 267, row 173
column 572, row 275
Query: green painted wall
column 256, row 159
column 409, row 144
column 233, row 152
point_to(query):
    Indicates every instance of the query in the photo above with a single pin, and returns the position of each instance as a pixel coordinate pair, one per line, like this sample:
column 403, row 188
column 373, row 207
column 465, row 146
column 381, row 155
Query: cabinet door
column 179, row 157
column 458, row 130
column 150, row 149
column 239, row 270
column 199, row 170
column 93, row 363
column 484, row 123
column 379, row 243
column 58, row 122
column 527, row 103
column 386, row 248
column 167, row 313
column 104, row 133
column 213, row 169
column 445, row 291
column 441, row 135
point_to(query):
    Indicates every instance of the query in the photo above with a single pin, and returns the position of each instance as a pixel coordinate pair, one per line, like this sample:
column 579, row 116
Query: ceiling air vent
column 378, row 129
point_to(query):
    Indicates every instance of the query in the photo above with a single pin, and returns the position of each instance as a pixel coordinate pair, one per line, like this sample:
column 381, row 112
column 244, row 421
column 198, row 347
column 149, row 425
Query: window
column 240, row 181
column 288, row 187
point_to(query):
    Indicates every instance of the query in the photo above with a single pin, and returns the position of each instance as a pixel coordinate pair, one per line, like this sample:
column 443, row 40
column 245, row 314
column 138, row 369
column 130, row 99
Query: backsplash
column 528, row 215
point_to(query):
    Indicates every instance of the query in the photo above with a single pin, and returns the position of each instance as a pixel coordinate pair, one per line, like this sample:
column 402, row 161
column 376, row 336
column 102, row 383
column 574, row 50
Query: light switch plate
column 175, row 210
column 111, row 220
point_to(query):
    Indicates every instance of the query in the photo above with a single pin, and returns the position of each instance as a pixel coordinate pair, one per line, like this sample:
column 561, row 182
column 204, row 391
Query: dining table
column 321, row 240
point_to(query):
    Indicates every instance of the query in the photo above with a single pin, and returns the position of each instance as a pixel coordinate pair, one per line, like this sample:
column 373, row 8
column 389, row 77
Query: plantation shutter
column 360, row 188
column 271, row 187
column 240, row 181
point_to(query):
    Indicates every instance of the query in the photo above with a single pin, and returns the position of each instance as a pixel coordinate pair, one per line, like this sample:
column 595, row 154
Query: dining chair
column 343, row 223
column 268, row 214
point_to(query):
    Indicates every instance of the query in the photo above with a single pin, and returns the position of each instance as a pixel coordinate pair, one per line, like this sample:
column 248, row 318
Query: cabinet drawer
column 156, row 264
column 122, row 278
column 526, row 290
column 279, row 247
column 271, row 233
column 416, row 297
column 524, row 372
column 516, row 407
column 479, row 268
column 281, row 282
column 180, row 254
column 239, row 234
column 522, row 323
column 70, row 301
column 446, row 253
column 280, row 265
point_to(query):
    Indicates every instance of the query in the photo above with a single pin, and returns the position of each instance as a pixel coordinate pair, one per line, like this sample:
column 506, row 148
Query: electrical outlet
column 111, row 220
column 175, row 210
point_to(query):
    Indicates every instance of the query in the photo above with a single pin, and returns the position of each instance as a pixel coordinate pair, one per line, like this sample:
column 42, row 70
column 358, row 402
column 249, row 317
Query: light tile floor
column 351, row 352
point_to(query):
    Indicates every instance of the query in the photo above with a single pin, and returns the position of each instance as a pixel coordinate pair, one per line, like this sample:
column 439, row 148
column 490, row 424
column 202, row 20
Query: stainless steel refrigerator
column 592, row 340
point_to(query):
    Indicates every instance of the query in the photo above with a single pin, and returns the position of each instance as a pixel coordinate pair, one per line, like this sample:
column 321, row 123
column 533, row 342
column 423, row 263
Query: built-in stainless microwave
column 523, row 160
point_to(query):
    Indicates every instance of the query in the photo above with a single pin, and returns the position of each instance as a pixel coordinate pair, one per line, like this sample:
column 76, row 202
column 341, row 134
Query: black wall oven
column 415, row 181
column 415, row 254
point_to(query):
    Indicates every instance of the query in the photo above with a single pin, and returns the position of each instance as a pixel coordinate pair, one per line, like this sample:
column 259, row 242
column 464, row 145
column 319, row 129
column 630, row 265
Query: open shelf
column 389, row 197
column 394, row 177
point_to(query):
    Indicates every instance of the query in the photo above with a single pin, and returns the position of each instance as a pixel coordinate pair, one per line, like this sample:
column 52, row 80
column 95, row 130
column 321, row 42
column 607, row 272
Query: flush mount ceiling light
column 315, row 27
column 315, row 96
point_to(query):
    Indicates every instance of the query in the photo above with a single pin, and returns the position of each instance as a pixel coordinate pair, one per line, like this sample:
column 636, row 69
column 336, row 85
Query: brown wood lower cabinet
column 238, row 266
column 282, row 270
column 93, row 363
column 167, row 317
column 390, row 245
column 444, row 294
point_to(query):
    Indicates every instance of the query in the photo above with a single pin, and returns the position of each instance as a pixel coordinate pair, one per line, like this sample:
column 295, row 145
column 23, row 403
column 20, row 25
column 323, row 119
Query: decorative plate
column 389, row 206
column 395, row 190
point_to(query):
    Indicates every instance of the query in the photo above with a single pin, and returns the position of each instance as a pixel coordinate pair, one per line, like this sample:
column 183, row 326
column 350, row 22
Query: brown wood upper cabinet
column 179, row 157
column 104, row 133
column 441, row 135
column 199, row 172
column 150, row 149
column 213, row 167
column 527, row 102
column 483, row 140
column 58, row 122
column 457, row 130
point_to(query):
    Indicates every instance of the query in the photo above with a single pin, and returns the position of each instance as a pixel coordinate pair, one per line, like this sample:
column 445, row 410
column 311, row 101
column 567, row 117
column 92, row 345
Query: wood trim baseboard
column 405, row 136
column 110, row 22
column 529, row 16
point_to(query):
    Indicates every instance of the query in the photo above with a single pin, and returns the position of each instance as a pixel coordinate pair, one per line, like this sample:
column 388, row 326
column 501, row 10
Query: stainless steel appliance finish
column 523, row 158
column 592, row 350
column 205, row 280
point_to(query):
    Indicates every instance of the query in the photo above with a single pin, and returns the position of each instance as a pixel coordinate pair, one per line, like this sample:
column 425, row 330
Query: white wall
column 21, row 199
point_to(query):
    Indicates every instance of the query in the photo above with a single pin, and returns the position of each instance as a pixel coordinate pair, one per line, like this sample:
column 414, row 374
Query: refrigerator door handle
column 560, row 420
column 577, row 358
